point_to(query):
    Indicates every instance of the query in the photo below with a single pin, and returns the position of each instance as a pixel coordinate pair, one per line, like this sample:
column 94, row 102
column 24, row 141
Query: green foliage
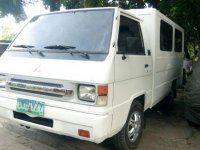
column 6, row 33
column 13, row 7
column 96, row 3
column 130, row 4
column 53, row 5
column 186, row 13
column 153, row 3
column 72, row 4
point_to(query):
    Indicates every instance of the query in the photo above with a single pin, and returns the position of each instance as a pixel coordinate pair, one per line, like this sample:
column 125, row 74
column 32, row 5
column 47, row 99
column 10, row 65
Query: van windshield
column 87, row 31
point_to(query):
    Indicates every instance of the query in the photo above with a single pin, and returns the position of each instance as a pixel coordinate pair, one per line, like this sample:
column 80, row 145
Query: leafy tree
column 153, row 3
column 128, row 4
column 53, row 5
column 96, row 3
column 13, row 7
column 72, row 4
column 6, row 33
column 186, row 14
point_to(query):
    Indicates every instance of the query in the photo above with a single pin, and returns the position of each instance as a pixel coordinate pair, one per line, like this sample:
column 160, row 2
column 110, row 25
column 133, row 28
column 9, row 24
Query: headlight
column 87, row 93
column 2, row 81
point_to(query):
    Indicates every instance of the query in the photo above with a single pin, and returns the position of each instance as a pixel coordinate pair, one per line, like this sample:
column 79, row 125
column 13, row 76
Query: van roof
column 132, row 12
column 125, row 11
column 153, row 11
column 79, row 9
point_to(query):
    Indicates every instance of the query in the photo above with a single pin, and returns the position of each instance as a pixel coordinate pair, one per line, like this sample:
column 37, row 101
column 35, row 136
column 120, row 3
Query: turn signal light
column 84, row 133
column 103, row 90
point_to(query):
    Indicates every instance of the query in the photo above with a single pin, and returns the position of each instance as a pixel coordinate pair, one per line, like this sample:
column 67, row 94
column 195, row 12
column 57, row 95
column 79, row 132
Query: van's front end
column 58, row 74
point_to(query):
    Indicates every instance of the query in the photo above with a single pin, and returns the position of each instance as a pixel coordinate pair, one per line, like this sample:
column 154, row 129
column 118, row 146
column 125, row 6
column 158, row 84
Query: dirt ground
column 164, row 131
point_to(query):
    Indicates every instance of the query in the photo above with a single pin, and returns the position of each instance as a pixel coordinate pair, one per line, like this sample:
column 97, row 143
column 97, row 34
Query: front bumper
column 65, row 122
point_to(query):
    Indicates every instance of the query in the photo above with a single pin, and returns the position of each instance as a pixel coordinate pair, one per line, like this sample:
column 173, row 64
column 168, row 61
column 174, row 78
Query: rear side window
column 166, row 32
column 130, row 37
column 178, row 41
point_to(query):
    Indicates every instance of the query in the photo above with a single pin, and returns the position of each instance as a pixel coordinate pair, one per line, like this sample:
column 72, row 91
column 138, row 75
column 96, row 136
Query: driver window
column 130, row 40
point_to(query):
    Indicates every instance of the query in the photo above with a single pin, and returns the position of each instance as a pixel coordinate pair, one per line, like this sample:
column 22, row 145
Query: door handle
column 146, row 66
column 149, row 52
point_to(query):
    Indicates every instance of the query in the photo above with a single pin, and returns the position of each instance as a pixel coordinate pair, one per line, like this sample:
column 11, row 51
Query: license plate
column 32, row 107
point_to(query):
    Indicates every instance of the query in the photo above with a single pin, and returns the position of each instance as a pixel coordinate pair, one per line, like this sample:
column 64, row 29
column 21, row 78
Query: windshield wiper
column 25, row 46
column 70, row 49
column 60, row 47
column 29, row 47
column 77, row 51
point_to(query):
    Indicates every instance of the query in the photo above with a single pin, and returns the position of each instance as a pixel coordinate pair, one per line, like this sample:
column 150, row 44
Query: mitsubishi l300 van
column 91, row 73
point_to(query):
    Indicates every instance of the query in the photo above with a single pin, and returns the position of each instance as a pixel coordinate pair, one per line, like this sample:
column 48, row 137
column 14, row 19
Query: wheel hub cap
column 134, row 126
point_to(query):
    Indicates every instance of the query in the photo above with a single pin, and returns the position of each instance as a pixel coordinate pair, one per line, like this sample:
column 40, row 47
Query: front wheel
column 129, row 137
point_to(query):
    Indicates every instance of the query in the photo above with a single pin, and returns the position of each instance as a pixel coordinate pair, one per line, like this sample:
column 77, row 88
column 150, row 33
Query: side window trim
column 176, row 47
column 140, row 35
column 164, row 38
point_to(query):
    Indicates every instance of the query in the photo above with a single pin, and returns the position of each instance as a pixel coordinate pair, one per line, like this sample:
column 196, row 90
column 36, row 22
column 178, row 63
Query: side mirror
column 149, row 52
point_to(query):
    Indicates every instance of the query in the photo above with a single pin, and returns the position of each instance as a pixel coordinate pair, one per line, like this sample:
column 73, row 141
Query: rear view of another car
column 192, row 95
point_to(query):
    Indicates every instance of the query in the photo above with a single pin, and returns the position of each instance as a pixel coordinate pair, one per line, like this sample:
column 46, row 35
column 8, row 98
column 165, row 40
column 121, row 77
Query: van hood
column 69, row 70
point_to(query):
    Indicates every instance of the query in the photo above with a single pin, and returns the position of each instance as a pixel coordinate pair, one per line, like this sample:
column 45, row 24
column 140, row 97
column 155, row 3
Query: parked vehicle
column 187, row 69
column 91, row 73
column 192, row 96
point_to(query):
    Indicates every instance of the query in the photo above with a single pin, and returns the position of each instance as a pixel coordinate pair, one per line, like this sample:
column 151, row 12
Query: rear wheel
column 129, row 137
column 173, row 89
column 166, row 104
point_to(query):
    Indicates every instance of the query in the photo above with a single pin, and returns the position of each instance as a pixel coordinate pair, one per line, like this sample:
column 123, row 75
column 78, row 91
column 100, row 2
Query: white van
column 91, row 73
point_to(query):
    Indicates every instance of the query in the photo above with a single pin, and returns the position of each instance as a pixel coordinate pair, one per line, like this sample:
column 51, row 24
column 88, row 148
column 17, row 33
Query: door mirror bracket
column 123, row 56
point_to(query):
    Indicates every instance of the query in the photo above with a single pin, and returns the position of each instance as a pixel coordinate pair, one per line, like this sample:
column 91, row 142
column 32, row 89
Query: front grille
column 37, row 83
column 36, row 120
column 35, row 92
column 42, row 88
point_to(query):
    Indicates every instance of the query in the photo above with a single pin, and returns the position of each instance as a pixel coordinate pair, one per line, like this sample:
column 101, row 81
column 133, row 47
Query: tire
column 127, row 138
column 173, row 90
column 170, row 99
column 166, row 105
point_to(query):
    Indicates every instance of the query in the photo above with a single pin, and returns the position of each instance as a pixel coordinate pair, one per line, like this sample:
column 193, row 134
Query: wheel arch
column 119, row 120
column 140, row 99
column 122, row 139
column 137, row 98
